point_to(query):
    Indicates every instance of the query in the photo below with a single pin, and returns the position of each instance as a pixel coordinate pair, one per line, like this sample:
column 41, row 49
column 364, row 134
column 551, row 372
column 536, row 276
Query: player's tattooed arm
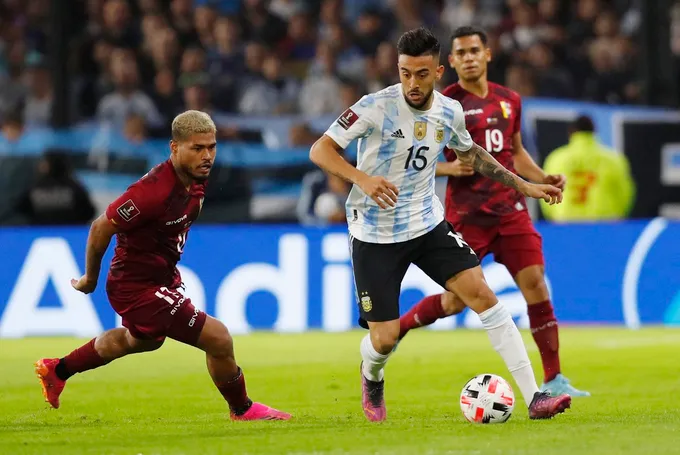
column 482, row 161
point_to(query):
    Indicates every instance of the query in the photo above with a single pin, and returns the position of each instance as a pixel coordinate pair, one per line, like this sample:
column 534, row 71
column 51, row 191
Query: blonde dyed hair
column 189, row 123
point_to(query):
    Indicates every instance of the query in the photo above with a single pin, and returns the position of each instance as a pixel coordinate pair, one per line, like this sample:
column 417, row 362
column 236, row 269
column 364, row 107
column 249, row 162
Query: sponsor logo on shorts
column 366, row 303
column 128, row 210
column 193, row 318
column 347, row 119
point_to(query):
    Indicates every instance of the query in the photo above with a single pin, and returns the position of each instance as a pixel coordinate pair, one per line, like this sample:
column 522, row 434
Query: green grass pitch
column 164, row 402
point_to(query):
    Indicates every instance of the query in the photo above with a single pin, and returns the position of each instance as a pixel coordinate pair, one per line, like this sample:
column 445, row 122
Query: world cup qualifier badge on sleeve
column 347, row 119
column 128, row 210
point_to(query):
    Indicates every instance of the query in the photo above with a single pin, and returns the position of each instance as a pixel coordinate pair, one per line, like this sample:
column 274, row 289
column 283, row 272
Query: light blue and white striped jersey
column 403, row 145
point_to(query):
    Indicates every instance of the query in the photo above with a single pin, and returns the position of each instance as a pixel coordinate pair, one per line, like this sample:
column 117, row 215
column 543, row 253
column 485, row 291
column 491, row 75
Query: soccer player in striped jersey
column 396, row 220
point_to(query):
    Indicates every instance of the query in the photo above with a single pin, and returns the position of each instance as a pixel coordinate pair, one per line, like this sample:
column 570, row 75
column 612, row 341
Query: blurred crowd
column 137, row 63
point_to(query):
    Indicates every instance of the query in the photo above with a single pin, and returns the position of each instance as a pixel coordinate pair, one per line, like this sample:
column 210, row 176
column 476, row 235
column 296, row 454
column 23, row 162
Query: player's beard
column 196, row 176
column 426, row 99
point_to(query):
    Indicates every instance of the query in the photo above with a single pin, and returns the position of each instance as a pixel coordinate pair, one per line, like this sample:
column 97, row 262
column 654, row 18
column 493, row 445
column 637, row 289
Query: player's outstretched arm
column 482, row 161
column 325, row 153
column 98, row 241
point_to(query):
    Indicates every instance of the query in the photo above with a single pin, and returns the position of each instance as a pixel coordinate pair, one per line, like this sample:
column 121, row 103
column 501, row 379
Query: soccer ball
column 487, row 398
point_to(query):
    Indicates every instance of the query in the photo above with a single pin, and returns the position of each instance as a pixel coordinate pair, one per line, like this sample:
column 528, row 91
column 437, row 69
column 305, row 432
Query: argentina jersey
column 401, row 144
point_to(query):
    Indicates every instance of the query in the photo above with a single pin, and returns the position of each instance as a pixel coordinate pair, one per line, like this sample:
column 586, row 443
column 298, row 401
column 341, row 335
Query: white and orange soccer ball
column 487, row 398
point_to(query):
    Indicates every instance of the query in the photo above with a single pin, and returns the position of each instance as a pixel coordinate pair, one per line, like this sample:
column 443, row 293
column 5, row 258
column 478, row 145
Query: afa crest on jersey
column 439, row 134
column 506, row 108
column 420, row 130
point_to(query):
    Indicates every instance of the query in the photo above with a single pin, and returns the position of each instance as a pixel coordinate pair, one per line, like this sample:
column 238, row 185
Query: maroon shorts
column 153, row 313
column 513, row 241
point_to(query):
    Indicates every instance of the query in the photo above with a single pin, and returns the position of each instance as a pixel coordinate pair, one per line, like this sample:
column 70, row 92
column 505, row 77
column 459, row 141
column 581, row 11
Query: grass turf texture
column 164, row 402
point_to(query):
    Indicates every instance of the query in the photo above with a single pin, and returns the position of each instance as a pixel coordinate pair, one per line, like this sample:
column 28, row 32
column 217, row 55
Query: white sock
column 374, row 362
column 507, row 341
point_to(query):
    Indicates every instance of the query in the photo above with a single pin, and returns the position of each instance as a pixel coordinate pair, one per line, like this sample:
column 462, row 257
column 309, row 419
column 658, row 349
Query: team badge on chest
column 420, row 130
column 506, row 108
column 439, row 134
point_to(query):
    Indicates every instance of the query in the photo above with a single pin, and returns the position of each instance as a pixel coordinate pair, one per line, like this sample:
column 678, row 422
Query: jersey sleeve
column 355, row 122
column 136, row 206
column 460, row 139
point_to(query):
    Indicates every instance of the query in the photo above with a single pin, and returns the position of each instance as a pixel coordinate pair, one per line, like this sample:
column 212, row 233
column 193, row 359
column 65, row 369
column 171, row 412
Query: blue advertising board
column 293, row 279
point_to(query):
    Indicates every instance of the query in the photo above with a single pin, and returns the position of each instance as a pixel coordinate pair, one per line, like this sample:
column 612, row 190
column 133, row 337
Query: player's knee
column 532, row 283
column 482, row 298
column 385, row 337
column 452, row 304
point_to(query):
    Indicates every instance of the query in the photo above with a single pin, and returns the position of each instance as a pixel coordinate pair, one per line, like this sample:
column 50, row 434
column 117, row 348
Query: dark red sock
column 235, row 393
column 544, row 330
column 423, row 313
column 82, row 359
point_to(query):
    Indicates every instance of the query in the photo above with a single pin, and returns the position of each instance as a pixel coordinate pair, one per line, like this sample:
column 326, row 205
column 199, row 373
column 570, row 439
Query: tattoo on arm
column 482, row 162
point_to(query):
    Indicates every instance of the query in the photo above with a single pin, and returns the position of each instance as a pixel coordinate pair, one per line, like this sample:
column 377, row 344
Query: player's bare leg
column 471, row 287
column 218, row 345
column 376, row 348
column 544, row 329
column 99, row 351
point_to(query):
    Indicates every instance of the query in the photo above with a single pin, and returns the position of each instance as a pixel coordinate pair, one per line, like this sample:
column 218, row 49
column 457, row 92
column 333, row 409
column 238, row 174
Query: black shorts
column 379, row 268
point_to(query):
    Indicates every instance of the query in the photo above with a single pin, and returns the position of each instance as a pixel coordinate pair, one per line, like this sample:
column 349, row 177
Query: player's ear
column 440, row 72
column 450, row 57
column 173, row 146
column 487, row 51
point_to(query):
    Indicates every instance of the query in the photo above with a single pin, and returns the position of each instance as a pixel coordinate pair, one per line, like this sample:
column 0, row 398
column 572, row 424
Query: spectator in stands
column 12, row 130
column 371, row 30
column 286, row 9
column 381, row 70
column 520, row 78
column 38, row 102
column 260, row 24
column 608, row 83
column 134, row 130
column 459, row 13
column 12, row 89
column 274, row 94
column 127, row 98
column 299, row 44
column 117, row 24
column 320, row 91
column 552, row 80
column 162, row 50
column 193, row 61
column 599, row 179
column 166, row 96
column 350, row 60
column 322, row 201
column 205, row 17
column 57, row 198
column 226, row 62
column 181, row 18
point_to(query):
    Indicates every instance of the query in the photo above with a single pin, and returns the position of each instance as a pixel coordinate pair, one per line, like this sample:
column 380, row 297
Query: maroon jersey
column 492, row 122
column 153, row 216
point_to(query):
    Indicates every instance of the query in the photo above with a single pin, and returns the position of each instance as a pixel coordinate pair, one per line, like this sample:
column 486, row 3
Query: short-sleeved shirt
column 492, row 121
column 153, row 217
column 403, row 145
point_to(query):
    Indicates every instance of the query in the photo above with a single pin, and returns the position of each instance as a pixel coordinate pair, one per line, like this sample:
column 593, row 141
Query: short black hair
column 417, row 42
column 583, row 123
column 470, row 30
